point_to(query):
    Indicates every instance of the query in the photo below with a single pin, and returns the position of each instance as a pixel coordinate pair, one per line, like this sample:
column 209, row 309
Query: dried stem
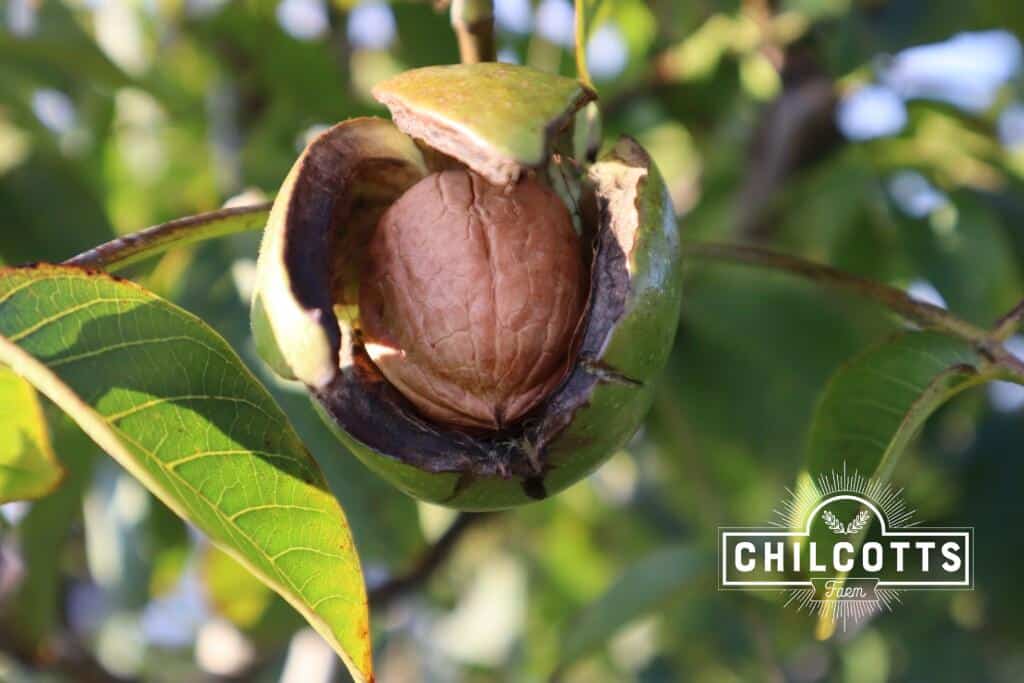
column 157, row 239
column 473, row 22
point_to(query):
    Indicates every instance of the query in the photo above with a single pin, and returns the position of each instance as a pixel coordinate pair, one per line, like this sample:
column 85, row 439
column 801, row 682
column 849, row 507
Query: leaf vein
column 274, row 506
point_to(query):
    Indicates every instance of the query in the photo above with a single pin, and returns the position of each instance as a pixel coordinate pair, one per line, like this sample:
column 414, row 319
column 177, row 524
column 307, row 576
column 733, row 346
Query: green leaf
column 172, row 403
column 720, row 392
column 642, row 587
column 950, row 261
column 28, row 468
column 384, row 520
column 876, row 404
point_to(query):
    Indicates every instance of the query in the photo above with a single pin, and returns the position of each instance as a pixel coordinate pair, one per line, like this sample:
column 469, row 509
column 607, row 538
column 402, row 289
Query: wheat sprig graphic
column 859, row 522
column 832, row 522
column 837, row 527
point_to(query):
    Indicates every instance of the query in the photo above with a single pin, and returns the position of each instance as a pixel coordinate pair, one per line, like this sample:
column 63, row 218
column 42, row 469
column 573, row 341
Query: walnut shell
column 312, row 267
column 471, row 297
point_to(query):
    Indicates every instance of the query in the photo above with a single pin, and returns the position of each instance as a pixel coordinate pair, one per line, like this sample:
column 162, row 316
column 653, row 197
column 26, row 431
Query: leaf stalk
column 124, row 251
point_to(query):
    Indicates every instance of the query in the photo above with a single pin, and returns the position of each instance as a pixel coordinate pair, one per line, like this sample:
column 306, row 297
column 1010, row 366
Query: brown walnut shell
column 471, row 296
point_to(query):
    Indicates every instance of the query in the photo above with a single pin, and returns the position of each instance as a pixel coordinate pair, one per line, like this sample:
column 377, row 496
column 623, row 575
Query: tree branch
column 157, row 239
column 988, row 344
column 1008, row 325
column 896, row 300
column 383, row 595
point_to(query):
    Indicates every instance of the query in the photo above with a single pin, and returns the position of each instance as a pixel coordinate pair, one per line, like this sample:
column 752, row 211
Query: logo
column 845, row 547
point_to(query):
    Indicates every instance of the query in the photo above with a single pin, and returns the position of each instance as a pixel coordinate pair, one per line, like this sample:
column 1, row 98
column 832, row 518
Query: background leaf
column 33, row 219
column 169, row 399
column 874, row 405
column 61, row 48
column 651, row 582
column 28, row 468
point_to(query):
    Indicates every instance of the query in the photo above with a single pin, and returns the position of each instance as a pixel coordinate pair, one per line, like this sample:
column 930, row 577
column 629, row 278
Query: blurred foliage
column 115, row 115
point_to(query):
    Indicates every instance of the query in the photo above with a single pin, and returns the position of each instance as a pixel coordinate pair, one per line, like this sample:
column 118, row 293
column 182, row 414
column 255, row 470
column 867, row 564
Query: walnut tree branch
column 896, row 300
column 988, row 344
column 1008, row 325
column 154, row 240
column 429, row 562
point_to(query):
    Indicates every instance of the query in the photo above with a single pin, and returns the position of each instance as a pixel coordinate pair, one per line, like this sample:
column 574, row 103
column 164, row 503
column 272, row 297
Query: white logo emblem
column 845, row 547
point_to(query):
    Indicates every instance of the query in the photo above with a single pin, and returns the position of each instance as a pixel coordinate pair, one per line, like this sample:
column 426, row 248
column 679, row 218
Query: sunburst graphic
column 792, row 514
column 841, row 612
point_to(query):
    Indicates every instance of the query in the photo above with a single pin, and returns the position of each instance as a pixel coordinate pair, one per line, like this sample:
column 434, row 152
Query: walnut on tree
column 471, row 297
column 478, row 306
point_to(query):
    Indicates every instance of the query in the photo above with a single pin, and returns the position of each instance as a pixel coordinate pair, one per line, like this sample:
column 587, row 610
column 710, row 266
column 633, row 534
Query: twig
column 473, row 22
column 918, row 312
column 1011, row 366
column 386, row 593
column 157, row 239
column 582, row 70
column 1007, row 325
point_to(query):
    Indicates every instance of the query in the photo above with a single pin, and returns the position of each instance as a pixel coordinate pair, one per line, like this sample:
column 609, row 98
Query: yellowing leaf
column 234, row 592
column 28, row 468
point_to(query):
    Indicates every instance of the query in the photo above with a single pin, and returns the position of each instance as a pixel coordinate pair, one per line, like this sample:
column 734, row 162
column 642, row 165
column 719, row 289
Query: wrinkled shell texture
column 471, row 297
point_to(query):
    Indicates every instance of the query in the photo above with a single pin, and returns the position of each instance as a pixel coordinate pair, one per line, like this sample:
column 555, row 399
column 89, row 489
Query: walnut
column 471, row 297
